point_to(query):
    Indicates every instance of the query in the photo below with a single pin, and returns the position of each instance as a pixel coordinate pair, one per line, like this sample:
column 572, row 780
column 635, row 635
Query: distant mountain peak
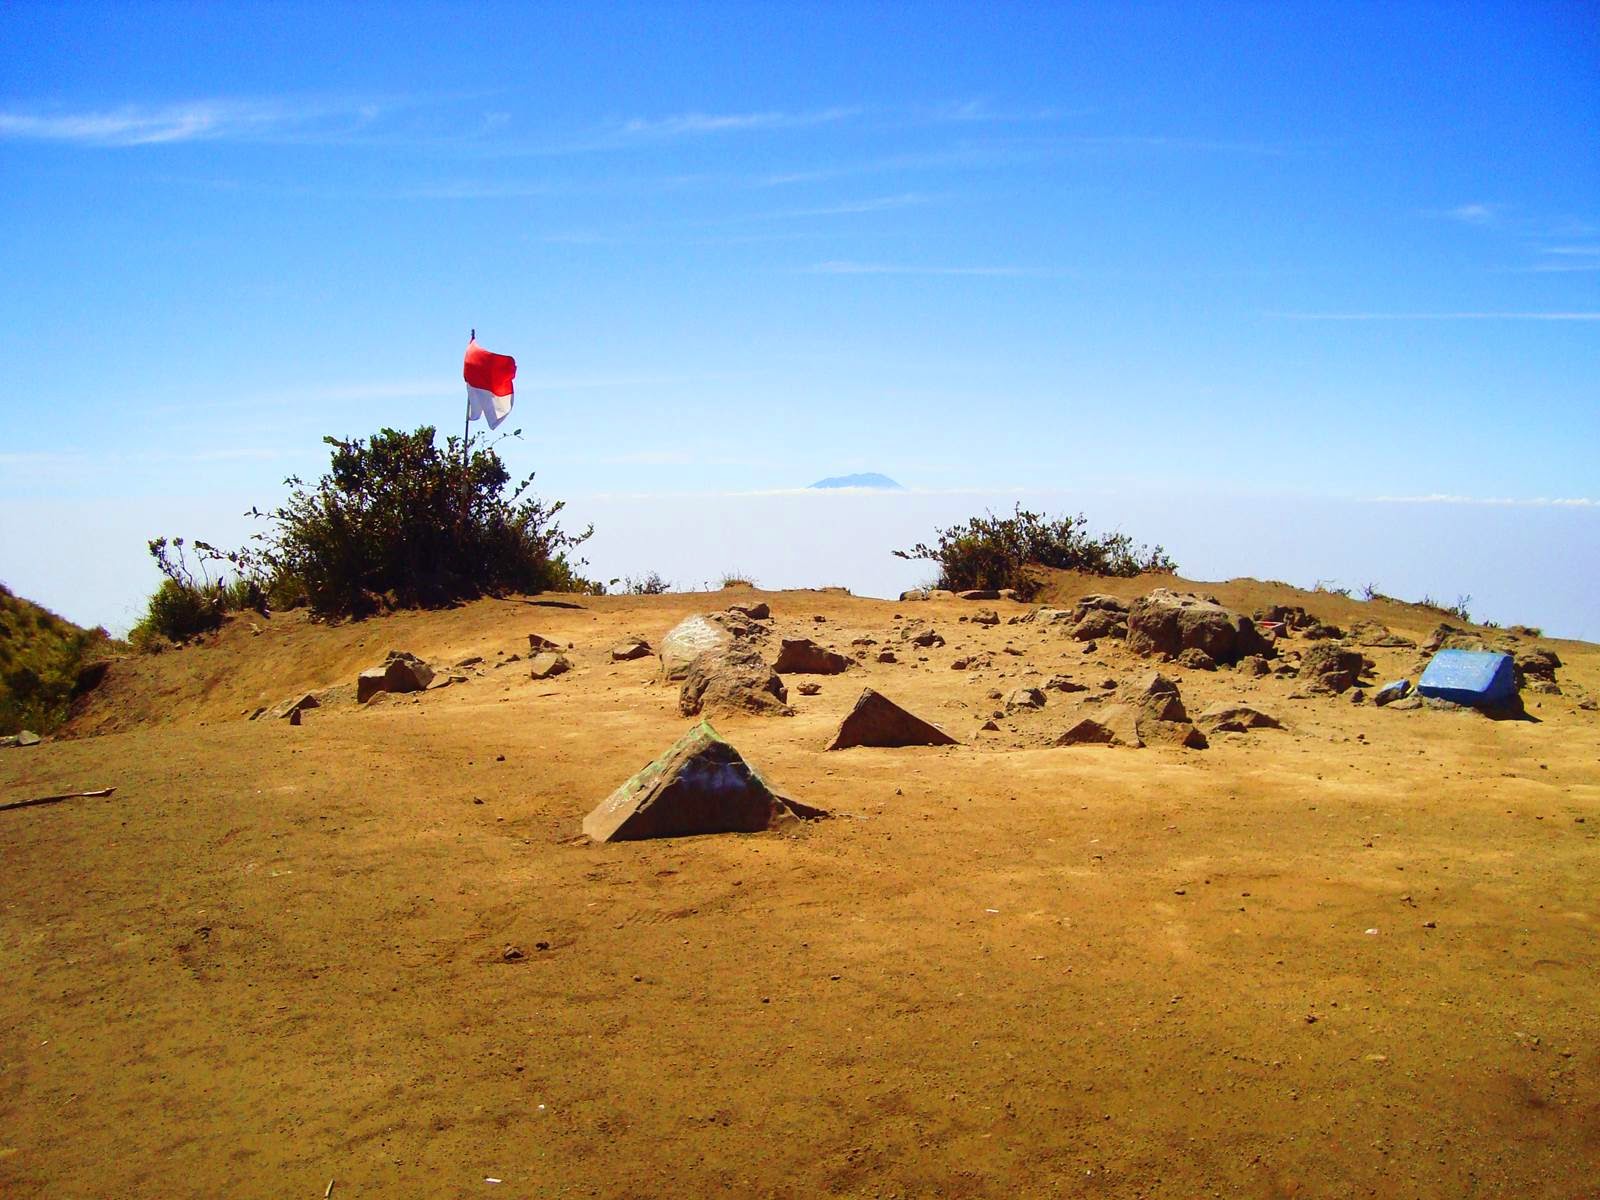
column 869, row 480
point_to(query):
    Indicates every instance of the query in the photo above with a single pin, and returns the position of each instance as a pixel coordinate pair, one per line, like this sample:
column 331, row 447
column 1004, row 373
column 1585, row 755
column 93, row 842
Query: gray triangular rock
column 878, row 721
column 700, row 785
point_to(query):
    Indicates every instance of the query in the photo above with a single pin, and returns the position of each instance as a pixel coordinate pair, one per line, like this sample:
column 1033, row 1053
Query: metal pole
column 467, row 423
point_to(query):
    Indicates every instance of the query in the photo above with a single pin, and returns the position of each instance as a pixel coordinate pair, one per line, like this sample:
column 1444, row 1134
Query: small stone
column 511, row 953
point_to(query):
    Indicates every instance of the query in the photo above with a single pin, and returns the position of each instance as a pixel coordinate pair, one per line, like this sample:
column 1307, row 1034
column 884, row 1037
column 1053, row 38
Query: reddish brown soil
column 275, row 956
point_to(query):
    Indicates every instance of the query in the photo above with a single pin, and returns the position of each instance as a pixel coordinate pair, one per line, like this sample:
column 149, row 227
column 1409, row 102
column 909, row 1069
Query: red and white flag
column 488, row 379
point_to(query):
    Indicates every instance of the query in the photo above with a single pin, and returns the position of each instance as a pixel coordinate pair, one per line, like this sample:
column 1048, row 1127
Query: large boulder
column 802, row 656
column 1167, row 623
column 694, row 636
column 733, row 679
column 878, row 721
column 700, row 785
column 402, row 672
column 1330, row 667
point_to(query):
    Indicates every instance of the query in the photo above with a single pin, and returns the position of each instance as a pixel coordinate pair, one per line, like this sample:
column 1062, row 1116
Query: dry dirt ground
column 1357, row 957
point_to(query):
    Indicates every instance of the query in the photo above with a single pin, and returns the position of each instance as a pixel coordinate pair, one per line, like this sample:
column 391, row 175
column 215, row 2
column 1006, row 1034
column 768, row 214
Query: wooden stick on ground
column 56, row 799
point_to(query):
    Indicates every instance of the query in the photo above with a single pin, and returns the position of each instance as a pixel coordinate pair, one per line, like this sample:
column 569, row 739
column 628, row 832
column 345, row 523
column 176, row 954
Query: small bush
column 997, row 552
column 175, row 613
column 187, row 605
column 648, row 585
column 733, row 579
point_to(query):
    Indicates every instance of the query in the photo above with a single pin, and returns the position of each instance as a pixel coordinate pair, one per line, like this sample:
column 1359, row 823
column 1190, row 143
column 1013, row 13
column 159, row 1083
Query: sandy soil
column 1357, row 957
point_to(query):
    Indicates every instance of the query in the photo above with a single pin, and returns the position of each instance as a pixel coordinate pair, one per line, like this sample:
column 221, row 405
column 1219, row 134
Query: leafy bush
column 44, row 660
column 186, row 605
column 399, row 521
column 997, row 552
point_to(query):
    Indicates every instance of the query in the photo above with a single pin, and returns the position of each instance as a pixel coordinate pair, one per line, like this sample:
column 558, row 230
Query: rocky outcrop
column 1159, row 713
column 402, row 672
column 1331, row 668
column 1098, row 616
column 734, row 678
column 1167, row 623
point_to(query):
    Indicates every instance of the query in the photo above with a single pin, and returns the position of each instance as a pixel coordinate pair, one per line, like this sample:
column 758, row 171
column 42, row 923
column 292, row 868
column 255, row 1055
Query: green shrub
column 398, row 521
column 176, row 612
column 997, row 552
column 187, row 605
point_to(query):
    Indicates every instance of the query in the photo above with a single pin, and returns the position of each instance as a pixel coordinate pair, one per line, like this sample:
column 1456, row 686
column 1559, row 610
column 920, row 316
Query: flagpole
column 466, row 424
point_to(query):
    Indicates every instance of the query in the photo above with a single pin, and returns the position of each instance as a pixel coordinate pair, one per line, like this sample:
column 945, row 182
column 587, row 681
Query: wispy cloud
column 1496, row 501
column 697, row 124
column 1436, row 316
column 862, row 268
column 197, row 120
column 1559, row 259
column 1472, row 214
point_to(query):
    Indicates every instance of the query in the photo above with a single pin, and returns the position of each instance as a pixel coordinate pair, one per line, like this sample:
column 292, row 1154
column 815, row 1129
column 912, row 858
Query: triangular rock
column 1113, row 725
column 878, row 721
column 700, row 785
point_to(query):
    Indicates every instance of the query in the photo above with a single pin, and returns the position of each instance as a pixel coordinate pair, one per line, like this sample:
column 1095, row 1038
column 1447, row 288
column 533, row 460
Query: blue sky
column 1103, row 253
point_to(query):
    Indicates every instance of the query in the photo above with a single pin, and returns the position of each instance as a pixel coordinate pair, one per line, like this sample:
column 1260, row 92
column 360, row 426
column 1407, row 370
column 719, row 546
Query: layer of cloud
column 1496, row 501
